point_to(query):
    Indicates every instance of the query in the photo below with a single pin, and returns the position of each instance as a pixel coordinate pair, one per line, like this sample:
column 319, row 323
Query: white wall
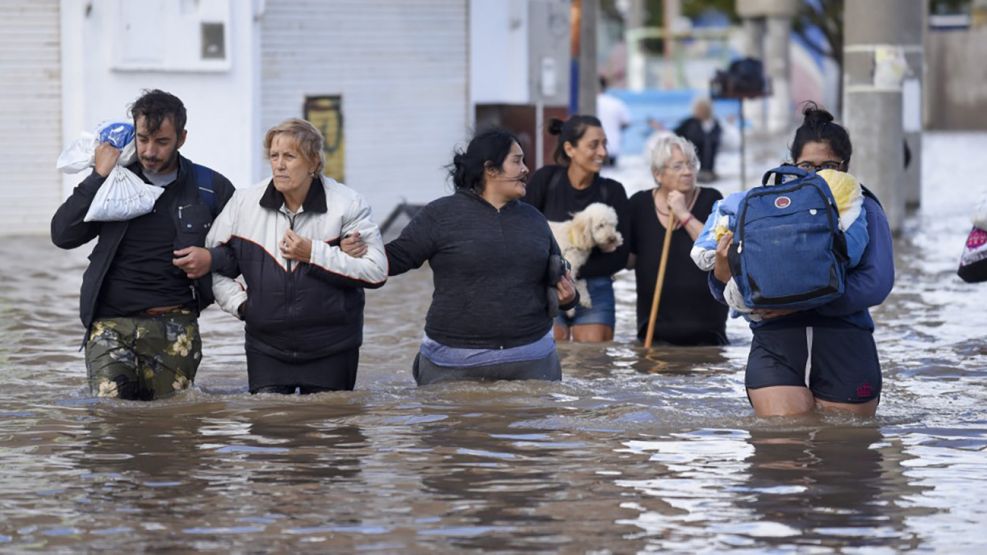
column 401, row 68
column 221, row 99
column 499, row 52
column 30, row 112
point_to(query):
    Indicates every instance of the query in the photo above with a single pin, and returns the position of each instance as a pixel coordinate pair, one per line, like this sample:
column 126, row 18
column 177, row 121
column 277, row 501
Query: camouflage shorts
column 146, row 357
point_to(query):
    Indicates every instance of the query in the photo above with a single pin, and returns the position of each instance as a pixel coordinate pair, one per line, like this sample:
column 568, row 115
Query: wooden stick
column 660, row 282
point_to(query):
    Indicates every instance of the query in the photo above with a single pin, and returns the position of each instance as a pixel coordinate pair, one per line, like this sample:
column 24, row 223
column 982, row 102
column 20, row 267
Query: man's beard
column 164, row 167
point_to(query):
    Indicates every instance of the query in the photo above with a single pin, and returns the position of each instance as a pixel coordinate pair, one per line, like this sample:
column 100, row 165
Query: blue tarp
column 667, row 107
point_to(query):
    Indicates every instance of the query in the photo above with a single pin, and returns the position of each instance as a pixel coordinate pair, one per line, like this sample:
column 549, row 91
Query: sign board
column 326, row 114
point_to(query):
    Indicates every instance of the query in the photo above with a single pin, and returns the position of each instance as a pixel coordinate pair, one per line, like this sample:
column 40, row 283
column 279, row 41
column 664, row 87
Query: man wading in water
column 148, row 277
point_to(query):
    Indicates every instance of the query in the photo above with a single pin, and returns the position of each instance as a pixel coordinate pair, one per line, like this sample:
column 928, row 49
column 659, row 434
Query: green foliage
column 690, row 8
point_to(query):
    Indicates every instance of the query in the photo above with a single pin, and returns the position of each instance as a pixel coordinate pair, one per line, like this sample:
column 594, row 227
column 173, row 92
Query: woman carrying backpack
column 823, row 358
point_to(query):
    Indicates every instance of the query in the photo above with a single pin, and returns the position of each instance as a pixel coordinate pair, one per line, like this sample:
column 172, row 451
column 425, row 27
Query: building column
column 778, row 67
column 875, row 63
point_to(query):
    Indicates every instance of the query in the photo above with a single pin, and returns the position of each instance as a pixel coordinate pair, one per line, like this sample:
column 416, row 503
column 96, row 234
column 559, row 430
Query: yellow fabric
column 845, row 187
column 721, row 228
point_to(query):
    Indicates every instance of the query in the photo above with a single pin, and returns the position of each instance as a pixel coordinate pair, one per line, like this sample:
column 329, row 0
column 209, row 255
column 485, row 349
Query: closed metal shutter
column 30, row 114
column 401, row 69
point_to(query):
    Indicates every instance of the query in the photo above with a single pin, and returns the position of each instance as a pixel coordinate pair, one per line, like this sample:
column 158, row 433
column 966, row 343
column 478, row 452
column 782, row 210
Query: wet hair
column 818, row 126
column 308, row 140
column 570, row 131
column 156, row 106
column 661, row 154
column 487, row 149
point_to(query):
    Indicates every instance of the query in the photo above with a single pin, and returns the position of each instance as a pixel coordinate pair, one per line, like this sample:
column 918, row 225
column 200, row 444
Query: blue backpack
column 788, row 251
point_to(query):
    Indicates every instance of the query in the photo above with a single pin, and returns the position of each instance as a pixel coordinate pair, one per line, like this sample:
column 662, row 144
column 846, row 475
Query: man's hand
column 106, row 157
column 353, row 245
column 194, row 261
column 296, row 247
column 722, row 268
column 566, row 289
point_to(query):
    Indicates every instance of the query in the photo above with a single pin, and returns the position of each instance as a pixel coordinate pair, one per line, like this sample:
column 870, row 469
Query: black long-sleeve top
column 558, row 200
column 489, row 266
column 688, row 314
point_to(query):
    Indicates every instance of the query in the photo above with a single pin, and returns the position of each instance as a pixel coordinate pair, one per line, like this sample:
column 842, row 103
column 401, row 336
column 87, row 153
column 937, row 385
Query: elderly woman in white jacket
column 301, row 297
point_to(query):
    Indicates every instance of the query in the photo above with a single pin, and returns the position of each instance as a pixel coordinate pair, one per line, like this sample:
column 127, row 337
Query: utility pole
column 588, row 78
column 916, row 21
column 876, row 44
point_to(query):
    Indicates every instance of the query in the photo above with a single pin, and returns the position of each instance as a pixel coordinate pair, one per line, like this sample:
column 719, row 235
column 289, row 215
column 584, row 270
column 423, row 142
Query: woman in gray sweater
column 496, row 269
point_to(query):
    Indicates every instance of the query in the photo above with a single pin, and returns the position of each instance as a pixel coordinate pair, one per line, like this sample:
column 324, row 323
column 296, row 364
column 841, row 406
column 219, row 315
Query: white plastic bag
column 123, row 196
column 78, row 155
column 81, row 154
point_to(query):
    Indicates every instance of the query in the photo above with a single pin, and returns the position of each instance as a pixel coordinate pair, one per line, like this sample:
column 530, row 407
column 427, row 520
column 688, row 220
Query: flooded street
column 632, row 452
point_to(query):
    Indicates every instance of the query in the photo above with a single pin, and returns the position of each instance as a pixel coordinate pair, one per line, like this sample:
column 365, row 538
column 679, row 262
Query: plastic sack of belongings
column 123, row 196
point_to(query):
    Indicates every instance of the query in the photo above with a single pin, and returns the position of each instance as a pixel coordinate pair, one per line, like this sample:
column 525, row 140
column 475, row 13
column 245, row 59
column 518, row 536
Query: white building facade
column 398, row 69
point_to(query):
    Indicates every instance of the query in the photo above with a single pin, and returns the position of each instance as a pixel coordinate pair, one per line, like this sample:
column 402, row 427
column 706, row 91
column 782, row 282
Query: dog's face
column 599, row 223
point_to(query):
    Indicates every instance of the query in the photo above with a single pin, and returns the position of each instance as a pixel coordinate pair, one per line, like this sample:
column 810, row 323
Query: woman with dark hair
column 559, row 191
column 496, row 268
column 821, row 359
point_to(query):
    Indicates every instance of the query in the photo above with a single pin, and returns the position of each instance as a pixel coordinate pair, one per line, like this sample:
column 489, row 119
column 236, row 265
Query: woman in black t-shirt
column 561, row 190
column 688, row 314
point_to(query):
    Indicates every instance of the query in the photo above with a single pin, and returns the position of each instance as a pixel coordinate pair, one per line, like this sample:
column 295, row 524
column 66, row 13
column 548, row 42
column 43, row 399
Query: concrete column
column 875, row 34
column 767, row 30
column 635, row 67
column 588, row 79
column 754, row 31
column 777, row 66
column 915, row 20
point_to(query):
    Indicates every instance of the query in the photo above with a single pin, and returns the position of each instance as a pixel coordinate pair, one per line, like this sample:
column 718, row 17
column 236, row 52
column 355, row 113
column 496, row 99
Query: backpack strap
column 553, row 184
column 603, row 191
column 781, row 171
column 203, row 181
column 868, row 193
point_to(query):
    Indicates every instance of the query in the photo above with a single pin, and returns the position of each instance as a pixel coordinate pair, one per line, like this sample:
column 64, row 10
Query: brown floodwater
column 631, row 452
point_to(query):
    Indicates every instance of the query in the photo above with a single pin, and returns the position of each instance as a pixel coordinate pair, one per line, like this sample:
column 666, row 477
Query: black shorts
column 843, row 366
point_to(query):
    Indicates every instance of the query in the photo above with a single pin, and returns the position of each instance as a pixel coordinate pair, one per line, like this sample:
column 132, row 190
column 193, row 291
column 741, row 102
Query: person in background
column 569, row 186
column 496, row 267
column 303, row 301
column 688, row 314
column 615, row 117
column 148, row 277
column 705, row 132
column 826, row 358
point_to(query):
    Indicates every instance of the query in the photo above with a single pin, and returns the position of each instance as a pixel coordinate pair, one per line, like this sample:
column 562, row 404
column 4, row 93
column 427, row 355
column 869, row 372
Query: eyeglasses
column 827, row 165
column 680, row 167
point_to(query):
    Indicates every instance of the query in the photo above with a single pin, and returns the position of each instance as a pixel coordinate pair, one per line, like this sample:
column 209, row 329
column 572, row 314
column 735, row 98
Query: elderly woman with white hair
column 689, row 315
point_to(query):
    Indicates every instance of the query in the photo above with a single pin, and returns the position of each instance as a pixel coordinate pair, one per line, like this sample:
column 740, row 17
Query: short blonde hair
column 307, row 138
column 662, row 152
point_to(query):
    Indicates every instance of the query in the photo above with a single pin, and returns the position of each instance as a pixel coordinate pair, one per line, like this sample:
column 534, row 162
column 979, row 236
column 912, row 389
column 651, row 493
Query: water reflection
column 831, row 486
column 290, row 447
column 493, row 482
column 633, row 451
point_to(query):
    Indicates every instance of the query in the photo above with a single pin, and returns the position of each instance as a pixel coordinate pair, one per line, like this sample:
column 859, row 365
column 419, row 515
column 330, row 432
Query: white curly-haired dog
column 594, row 226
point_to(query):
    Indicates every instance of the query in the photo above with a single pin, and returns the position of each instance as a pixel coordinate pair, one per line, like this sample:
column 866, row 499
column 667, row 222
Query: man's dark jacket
column 192, row 212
